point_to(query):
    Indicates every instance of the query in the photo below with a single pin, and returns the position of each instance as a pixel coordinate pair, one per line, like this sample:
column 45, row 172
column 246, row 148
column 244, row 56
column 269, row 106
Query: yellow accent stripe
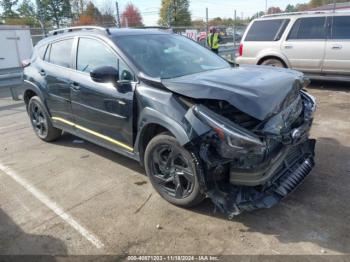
column 93, row 133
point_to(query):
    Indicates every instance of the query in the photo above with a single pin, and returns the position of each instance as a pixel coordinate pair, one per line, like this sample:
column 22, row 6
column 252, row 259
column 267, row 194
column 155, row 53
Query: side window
column 124, row 72
column 93, row 54
column 41, row 51
column 60, row 53
column 267, row 30
column 308, row 28
column 47, row 54
column 101, row 56
column 341, row 27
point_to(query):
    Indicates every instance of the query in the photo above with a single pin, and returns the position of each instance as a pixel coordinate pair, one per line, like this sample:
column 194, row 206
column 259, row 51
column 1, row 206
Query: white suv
column 317, row 44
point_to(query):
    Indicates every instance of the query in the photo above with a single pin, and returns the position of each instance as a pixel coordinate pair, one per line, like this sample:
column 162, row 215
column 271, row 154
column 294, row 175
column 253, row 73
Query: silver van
column 316, row 43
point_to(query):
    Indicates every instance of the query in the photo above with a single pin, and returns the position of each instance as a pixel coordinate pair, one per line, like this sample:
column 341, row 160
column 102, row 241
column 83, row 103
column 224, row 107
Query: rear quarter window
column 341, row 27
column 41, row 51
column 267, row 30
column 308, row 28
column 60, row 53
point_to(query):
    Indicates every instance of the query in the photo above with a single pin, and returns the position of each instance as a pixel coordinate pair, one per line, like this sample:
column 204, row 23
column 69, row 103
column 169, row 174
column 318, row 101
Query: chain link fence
column 230, row 37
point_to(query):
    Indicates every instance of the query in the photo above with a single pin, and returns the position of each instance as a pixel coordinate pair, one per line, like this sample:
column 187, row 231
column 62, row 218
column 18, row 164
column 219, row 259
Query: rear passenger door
column 305, row 44
column 263, row 35
column 337, row 58
column 103, row 111
column 55, row 71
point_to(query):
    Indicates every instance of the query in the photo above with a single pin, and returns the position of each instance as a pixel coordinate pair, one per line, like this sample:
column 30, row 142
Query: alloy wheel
column 39, row 120
column 171, row 171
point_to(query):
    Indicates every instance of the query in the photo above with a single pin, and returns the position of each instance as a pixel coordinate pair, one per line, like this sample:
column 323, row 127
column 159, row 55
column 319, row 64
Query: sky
column 217, row 8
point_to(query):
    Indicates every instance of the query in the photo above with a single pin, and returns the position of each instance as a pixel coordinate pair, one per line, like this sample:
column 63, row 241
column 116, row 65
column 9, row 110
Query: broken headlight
column 232, row 134
column 309, row 104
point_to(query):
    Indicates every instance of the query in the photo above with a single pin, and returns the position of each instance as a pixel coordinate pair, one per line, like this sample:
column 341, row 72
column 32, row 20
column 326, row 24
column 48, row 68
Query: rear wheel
column 273, row 62
column 41, row 121
column 173, row 171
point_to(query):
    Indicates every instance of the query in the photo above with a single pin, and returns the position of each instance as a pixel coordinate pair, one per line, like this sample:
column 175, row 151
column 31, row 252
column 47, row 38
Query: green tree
column 175, row 13
column 92, row 11
column 57, row 11
column 78, row 7
column 290, row 8
column 26, row 11
column 317, row 3
column 7, row 7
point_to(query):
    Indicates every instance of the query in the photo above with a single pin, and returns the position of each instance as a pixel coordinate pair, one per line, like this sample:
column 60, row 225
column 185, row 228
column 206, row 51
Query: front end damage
column 248, row 163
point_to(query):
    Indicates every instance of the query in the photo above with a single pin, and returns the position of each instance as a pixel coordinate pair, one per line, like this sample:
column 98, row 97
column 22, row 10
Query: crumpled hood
column 258, row 91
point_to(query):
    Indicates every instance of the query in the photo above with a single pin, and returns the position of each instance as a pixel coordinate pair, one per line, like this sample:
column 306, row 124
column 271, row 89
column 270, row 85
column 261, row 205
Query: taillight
column 25, row 63
column 240, row 49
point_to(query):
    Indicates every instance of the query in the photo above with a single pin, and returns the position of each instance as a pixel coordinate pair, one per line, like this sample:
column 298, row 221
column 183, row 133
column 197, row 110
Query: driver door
column 103, row 112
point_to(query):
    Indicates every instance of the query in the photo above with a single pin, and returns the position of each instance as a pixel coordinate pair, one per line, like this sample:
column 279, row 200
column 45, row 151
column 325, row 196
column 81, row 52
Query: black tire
column 41, row 121
column 275, row 62
column 173, row 171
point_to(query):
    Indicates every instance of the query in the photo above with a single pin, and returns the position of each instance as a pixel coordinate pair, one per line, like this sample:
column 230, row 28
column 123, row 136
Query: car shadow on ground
column 14, row 241
column 330, row 85
column 70, row 140
column 317, row 212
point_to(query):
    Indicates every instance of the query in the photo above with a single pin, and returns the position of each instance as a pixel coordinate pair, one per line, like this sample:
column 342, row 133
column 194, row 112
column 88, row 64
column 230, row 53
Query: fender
column 29, row 85
column 150, row 116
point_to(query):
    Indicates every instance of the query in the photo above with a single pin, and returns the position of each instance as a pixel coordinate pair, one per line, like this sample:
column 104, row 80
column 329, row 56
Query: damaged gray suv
column 200, row 126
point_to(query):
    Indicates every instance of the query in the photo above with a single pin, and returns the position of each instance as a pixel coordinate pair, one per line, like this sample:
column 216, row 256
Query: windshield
column 168, row 56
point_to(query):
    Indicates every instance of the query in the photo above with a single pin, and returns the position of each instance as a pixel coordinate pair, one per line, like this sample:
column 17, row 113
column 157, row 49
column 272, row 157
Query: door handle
column 337, row 47
column 288, row 46
column 75, row 86
column 42, row 72
column 2, row 58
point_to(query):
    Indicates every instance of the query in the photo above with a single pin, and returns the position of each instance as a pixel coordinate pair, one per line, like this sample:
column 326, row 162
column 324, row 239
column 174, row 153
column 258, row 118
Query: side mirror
column 105, row 74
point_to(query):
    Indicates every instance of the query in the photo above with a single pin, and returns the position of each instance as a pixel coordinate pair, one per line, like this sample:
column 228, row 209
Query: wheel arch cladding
column 27, row 95
column 30, row 90
column 152, row 123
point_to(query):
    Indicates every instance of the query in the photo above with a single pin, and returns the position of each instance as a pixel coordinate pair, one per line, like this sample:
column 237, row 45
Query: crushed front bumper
column 234, row 199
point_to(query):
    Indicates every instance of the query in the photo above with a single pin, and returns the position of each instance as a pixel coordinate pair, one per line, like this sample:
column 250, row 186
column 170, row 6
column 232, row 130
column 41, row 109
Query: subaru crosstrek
column 200, row 126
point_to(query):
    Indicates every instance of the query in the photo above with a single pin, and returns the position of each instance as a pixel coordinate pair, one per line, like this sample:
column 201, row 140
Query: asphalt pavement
column 73, row 197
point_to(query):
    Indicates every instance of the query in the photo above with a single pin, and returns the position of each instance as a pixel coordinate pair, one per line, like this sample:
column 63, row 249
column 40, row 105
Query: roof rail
column 77, row 28
column 297, row 13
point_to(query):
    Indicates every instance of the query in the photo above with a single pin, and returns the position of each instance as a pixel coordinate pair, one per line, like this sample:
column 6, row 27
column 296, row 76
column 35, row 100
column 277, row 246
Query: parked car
column 199, row 126
column 314, row 43
column 15, row 46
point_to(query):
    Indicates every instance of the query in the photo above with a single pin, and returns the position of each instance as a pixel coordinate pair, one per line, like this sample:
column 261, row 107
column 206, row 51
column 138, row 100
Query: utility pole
column 174, row 12
column 265, row 7
column 234, row 29
column 117, row 15
column 41, row 16
column 169, row 15
column 207, row 19
column 334, row 5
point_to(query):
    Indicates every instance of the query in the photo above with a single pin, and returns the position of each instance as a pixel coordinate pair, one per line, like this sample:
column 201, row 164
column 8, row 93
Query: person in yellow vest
column 213, row 40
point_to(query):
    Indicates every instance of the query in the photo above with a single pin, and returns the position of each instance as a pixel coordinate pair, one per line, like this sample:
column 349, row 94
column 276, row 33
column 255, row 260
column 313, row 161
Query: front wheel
column 173, row 171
